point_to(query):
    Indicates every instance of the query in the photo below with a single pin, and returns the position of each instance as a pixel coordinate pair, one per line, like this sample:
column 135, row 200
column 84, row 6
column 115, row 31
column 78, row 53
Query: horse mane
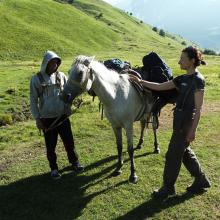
column 98, row 67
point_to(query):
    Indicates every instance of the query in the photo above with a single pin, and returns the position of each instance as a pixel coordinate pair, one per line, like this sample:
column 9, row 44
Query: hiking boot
column 163, row 192
column 77, row 167
column 55, row 174
column 199, row 184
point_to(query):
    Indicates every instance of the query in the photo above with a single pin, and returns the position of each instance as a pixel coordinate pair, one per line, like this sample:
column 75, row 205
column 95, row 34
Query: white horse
column 122, row 103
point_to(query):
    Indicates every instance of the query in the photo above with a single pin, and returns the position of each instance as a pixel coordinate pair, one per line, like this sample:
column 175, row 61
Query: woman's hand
column 134, row 78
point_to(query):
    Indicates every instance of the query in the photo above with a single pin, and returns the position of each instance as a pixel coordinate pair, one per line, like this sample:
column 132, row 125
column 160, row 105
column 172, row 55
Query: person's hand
column 67, row 110
column 134, row 78
column 39, row 124
column 191, row 136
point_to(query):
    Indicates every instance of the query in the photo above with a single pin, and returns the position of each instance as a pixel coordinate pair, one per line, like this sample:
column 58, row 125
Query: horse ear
column 88, row 61
column 85, row 60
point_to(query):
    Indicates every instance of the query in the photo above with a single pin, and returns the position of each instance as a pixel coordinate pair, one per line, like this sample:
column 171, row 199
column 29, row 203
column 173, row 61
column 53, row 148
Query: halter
column 88, row 72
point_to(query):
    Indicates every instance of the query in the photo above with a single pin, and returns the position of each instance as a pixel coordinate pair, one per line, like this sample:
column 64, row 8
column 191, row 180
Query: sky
column 196, row 20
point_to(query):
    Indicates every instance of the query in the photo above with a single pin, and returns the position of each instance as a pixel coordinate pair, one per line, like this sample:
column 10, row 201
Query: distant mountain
column 197, row 20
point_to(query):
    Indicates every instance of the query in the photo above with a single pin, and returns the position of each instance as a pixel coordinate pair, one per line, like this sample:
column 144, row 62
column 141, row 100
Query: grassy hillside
column 31, row 27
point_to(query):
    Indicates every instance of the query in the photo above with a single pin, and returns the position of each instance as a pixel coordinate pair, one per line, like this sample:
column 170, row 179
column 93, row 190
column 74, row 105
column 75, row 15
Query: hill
column 84, row 27
column 29, row 27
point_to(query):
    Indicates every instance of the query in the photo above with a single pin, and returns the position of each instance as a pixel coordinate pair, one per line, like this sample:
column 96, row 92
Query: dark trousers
column 179, row 152
column 51, row 136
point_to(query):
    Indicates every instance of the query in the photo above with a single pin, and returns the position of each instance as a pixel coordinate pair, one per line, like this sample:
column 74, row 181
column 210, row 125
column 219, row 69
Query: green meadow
column 29, row 28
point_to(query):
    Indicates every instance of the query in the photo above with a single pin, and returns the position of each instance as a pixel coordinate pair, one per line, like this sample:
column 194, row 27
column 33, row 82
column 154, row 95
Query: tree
column 162, row 33
column 155, row 29
column 99, row 15
column 209, row 52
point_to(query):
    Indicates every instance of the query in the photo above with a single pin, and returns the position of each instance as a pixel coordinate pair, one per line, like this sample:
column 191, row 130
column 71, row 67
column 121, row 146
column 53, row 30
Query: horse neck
column 105, row 83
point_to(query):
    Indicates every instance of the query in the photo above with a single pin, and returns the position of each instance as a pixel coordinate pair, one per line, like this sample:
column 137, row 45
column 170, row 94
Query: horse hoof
column 139, row 147
column 133, row 179
column 157, row 151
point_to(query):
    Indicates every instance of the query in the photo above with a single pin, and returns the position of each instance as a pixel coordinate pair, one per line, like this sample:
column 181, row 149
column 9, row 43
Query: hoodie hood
column 48, row 56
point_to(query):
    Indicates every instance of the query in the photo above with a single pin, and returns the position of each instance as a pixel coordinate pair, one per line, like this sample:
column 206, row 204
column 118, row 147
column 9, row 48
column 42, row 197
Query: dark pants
column 178, row 152
column 51, row 136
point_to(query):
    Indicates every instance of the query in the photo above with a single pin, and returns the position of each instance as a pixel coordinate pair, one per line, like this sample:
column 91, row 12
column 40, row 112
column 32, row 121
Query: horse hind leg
column 155, row 125
column 141, row 139
column 118, row 136
column 129, row 134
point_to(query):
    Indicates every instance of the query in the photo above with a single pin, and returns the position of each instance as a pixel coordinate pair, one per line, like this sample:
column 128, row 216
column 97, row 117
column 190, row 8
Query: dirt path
column 166, row 116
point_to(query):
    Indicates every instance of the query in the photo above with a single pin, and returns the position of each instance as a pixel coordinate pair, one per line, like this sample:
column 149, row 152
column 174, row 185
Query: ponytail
column 194, row 53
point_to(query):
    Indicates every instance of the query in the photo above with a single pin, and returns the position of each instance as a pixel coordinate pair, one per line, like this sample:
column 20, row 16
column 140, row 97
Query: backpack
column 117, row 64
column 156, row 68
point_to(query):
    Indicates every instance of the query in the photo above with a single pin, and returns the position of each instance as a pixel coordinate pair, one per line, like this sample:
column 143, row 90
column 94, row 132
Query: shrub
column 10, row 91
column 5, row 119
column 184, row 43
column 155, row 29
column 209, row 52
column 162, row 33
column 99, row 15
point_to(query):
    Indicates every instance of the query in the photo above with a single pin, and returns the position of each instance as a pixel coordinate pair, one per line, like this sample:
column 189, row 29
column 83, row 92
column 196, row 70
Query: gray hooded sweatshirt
column 44, row 97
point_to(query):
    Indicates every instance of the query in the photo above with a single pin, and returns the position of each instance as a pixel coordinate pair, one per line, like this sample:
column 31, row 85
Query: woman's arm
column 198, row 105
column 154, row 86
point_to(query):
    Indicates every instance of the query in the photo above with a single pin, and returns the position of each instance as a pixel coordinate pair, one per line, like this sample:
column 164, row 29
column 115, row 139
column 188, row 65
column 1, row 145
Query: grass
column 26, row 189
column 28, row 192
column 73, row 29
column 26, row 183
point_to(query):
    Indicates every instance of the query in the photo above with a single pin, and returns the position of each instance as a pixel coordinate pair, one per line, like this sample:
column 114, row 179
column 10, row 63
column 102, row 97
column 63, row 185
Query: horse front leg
column 129, row 134
column 155, row 127
column 118, row 136
column 141, row 139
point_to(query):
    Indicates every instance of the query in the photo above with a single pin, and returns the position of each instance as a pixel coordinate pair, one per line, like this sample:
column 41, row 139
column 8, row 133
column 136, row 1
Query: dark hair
column 194, row 53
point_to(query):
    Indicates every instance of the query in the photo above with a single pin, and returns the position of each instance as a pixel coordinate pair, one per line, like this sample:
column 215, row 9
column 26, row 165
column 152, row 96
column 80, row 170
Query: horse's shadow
column 40, row 197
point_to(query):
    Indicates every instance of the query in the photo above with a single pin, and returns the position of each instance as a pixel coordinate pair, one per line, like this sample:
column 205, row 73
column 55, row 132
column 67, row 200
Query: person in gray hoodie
column 51, row 113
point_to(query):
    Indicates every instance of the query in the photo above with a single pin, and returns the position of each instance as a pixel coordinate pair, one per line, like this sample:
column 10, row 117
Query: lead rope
column 101, row 108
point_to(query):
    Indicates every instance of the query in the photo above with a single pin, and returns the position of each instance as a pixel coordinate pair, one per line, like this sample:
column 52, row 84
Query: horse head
column 80, row 78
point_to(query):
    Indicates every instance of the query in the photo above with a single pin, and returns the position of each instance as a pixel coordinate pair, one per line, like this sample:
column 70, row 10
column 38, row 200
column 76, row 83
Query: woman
column 186, row 117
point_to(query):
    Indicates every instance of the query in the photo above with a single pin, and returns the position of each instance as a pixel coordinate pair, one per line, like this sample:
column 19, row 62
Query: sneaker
column 77, row 167
column 55, row 174
column 199, row 184
column 163, row 192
